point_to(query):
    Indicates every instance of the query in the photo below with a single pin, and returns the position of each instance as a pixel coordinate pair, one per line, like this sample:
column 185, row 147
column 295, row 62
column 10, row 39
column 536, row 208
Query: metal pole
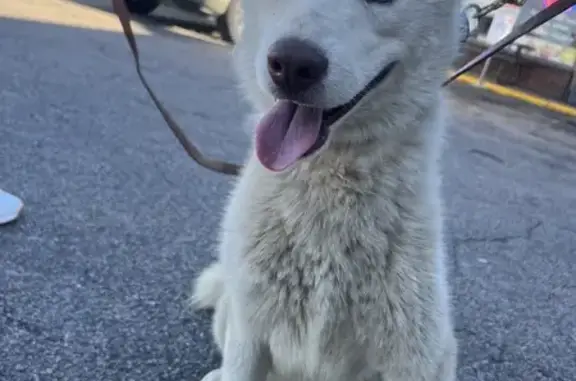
column 484, row 71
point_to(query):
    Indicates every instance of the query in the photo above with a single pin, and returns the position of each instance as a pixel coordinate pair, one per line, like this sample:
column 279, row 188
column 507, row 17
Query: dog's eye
column 379, row 1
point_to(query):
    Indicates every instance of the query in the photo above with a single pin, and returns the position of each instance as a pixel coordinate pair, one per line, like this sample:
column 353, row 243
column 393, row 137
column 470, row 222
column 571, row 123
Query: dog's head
column 321, row 66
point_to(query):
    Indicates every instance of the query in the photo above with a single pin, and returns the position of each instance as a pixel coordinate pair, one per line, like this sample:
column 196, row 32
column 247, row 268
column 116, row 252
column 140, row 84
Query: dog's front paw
column 213, row 375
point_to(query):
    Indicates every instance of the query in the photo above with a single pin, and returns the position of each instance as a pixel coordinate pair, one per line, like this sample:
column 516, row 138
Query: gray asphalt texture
column 95, row 275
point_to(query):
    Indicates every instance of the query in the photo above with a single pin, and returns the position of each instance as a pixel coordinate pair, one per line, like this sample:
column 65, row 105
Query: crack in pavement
column 486, row 154
column 457, row 242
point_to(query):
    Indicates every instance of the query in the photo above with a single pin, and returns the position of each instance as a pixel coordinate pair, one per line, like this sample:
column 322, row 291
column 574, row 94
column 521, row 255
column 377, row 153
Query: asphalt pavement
column 95, row 275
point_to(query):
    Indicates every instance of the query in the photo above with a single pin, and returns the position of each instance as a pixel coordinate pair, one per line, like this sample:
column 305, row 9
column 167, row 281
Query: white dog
column 331, row 260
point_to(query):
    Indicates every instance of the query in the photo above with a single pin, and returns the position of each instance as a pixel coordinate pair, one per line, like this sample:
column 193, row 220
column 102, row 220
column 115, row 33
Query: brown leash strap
column 234, row 169
column 191, row 149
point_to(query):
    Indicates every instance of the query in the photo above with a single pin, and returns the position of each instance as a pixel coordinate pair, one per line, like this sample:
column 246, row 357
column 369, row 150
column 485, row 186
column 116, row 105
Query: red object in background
column 548, row 3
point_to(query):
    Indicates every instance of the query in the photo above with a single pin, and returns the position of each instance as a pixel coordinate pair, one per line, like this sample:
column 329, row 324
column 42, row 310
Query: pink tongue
column 286, row 133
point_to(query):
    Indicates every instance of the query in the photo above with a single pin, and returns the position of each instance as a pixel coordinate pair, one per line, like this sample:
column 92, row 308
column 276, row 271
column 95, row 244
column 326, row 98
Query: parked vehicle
column 227, row 12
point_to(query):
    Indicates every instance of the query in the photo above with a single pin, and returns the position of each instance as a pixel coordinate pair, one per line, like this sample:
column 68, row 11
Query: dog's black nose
column 295, row 65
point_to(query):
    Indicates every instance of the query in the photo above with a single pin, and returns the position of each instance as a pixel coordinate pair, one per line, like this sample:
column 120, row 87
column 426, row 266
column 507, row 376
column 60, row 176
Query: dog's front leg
column 244, row 356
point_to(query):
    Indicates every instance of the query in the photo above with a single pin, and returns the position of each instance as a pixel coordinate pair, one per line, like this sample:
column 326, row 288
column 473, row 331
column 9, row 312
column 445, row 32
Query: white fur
column 333, row 270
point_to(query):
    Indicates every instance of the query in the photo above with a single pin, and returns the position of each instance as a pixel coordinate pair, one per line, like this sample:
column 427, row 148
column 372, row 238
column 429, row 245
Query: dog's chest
column 297, row 278
column 295, row 297
column 292, row 274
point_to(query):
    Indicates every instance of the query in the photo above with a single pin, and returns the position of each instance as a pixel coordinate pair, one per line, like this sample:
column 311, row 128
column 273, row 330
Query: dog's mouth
column 291, row 131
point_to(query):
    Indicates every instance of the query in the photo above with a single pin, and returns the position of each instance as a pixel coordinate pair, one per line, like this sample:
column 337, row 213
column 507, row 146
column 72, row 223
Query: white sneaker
column 10, row 207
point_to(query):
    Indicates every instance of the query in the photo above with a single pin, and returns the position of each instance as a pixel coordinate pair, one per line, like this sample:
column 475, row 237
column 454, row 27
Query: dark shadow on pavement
column 167, row 16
